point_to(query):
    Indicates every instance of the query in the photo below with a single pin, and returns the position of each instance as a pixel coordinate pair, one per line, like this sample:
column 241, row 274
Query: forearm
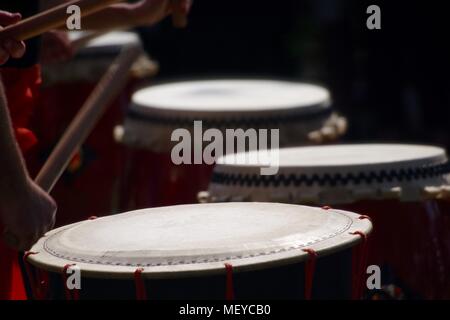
column 13, row 174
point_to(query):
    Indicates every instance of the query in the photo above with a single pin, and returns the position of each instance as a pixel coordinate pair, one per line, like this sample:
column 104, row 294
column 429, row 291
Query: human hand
column 10, row 47
column 27, row 214
column 150, row 12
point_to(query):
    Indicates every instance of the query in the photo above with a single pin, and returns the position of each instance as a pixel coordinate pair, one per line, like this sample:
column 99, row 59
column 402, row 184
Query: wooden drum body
column 301, row 112
column 404, row 189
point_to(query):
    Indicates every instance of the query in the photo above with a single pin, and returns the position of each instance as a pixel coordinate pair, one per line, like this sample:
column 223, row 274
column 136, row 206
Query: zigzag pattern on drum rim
column 231, row 121
column 255, row 180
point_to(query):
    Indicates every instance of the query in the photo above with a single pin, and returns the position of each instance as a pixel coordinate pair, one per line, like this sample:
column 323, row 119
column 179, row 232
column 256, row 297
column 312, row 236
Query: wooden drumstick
column 51, row 19
column 111, row 83
column 81, row 126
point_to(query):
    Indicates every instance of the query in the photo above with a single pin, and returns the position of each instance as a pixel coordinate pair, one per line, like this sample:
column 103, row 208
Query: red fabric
column 21, row 87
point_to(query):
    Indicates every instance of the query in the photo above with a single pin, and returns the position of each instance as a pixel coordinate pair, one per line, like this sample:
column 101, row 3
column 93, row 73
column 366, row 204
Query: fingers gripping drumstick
column 51, row 19
column 57, row 16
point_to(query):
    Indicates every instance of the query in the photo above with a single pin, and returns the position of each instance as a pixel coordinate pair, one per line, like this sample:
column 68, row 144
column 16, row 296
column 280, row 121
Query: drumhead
column 197, row 239
column 302, row 112
column 343, row 172
column 91, row 61
column 109, row 43
column 232, row 96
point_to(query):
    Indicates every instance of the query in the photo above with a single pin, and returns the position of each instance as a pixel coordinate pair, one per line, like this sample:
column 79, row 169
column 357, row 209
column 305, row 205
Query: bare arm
column 12, row 163
column 12, row 171
column 26, row 211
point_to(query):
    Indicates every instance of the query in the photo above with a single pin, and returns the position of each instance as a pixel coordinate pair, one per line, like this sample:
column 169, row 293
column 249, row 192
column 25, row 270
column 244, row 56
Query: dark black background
column 392, row 84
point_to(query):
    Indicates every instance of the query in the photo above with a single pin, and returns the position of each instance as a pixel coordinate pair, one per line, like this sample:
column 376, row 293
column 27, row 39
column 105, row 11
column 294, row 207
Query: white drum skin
column 301, row 111
column 91, row 61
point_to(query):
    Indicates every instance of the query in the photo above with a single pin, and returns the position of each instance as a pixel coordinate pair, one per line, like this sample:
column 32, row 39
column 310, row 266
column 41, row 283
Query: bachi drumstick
column 109, row 86
column 51, row 19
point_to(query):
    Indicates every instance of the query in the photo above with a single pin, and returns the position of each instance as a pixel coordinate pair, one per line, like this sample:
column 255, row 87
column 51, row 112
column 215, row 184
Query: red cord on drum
column 310, row 267
column 71, row 294
column 38, row 284
column 141, row 292
column 359, row 263
column 229, row 291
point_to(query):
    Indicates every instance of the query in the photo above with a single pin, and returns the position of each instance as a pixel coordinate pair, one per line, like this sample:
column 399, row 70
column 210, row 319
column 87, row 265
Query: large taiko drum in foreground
column 90, row 185
column 302, row 113
column 206, row 251
column 404, row 189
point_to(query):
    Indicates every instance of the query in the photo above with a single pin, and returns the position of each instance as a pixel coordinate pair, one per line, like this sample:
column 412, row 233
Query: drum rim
column 439, row 159
column 89, row 63
column 51, row 263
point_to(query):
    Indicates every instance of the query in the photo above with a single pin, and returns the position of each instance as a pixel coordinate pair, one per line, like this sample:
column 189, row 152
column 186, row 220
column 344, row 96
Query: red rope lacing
column 37, row 280
column 310, row 267
column 141, row 292
column 71, row 294
column 229, row 291
column 359, row 265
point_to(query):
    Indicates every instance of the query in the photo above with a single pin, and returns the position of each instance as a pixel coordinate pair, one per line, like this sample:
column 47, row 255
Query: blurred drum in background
column 90, row 184
column 302, row 113
column 206, row 251
column 404, row 189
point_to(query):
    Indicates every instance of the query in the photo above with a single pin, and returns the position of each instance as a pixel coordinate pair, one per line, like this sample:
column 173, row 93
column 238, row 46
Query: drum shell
column 151, row 179
column 411, row 244
column 402, row 188
column 332, row 280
